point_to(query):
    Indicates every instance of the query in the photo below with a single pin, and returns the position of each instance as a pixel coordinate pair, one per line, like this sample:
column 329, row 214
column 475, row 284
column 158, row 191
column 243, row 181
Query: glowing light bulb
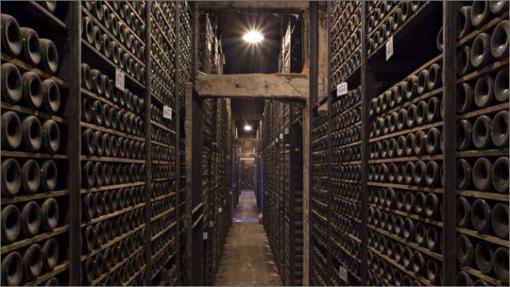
column 247, row 128
column 253, row 37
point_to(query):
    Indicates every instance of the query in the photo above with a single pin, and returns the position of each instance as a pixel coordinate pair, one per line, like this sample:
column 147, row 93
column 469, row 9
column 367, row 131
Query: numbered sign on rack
column 342, row 272
column 341, row 89
column 167, row 112
column 389, row 48
column 119, row 79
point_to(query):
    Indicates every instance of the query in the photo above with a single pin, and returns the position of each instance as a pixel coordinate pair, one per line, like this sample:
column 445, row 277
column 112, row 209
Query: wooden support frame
column 367, row 92
column 287, row 6
column 292, row 87
column 449, row 271
column 74, row 152
column 148, row 145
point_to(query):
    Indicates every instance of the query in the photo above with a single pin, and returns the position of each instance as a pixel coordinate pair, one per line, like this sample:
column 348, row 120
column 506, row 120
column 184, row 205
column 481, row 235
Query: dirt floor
column 247, row 258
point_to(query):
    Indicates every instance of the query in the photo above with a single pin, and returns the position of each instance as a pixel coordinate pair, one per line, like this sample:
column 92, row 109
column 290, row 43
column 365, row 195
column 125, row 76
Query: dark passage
column 247, row 259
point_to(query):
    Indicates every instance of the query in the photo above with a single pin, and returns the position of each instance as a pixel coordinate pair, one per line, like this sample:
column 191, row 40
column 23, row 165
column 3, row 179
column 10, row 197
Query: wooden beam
column 260, row 5
column 292, row 87
column 247, row 142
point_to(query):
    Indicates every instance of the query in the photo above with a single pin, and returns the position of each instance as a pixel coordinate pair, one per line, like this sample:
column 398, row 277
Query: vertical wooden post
column 307, row 112
column 148, row 147
column 449, row 87
column 367, row 92
column 73, row 71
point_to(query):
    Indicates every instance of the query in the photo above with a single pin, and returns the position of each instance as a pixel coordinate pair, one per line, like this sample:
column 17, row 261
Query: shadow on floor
column 247, row 258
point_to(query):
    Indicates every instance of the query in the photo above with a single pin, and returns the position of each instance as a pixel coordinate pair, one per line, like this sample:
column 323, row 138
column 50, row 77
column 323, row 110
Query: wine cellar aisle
column 247, row 259
column 193, row 143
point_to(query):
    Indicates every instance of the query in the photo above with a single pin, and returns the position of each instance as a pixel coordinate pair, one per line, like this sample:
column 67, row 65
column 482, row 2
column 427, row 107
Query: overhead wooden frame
column 259, row 5
column 291, row 87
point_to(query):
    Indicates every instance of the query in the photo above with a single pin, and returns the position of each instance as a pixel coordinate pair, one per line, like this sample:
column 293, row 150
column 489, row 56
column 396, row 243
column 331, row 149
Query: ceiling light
column 253, row 37
column 247, row 128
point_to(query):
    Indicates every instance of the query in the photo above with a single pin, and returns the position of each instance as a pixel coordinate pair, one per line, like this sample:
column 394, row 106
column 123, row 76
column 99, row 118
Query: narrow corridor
column 247, row 258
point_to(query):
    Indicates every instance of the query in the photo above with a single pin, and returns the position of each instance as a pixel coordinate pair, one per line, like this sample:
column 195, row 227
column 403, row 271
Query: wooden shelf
column 135, row 12
column 129, row 282
column 26, row 67
column 165, row 230
column 484, row 28
column 198, row 220
column 124, row 22
column 487, row 69
column 111, row 187
column 112, row 66
column 167, row 22
column 480, row 275
column 342, row 112
column 405, row 28
column 107, row 31
column 112, row 159
column 408, row 158
column 111, row 243
column 422, row 280
column 155, row 199
column 163, row 179
column 162, row 144
column 487, row 110
column 35, row 196
column 408, row 243
column 26, row 154
column 407, row 187
column 41, row 279
column 415, row 100
column 111, row 131
column 162, row 126
column 352, row 54
column 485, row 195
column 163, row 214
column 106, row 101
column 29, row 111
column 117, row 266
column 29, row 241
column 485, row 237
column 407, row 131
column 408, row 214
column 111, row 215
column 160, row 251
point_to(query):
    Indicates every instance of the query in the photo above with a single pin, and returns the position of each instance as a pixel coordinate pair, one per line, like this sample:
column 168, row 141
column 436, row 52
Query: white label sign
column 119, row 79
column 389, row 48
column 220, row 209
column 286, row 131
column 167, row 112
column 281, row 136
column 342, row 272
column 211, row 223
column 341, row 89
column 205, row 236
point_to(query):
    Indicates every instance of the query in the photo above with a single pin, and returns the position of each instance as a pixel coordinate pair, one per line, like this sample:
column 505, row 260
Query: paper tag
column 389, row 48
column 286, row 131
column 119, row 79
column 167, row 112
column 341, row 89
column 211, row 224
column 342, row 272
column 281, row 136
column 220, row 209
column 205, row 236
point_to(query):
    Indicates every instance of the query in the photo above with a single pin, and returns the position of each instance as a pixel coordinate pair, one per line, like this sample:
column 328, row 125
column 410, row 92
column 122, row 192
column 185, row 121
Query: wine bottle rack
column 35, row 106
column 283, row 200
column 100, row 167
column 409, row 229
